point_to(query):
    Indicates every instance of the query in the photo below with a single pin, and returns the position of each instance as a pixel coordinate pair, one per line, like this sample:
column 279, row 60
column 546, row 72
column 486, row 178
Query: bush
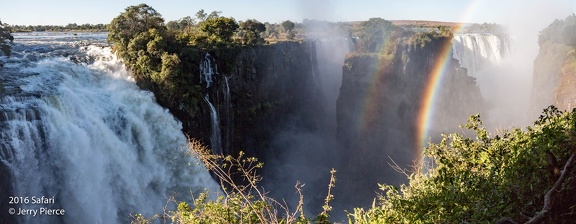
column 514, row 174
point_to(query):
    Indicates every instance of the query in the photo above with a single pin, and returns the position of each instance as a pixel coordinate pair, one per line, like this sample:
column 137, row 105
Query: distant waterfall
column 207, row 71
column 312, row 61
column 475, row 51
column 215, row 138
column 229, row 112
column 86, row 135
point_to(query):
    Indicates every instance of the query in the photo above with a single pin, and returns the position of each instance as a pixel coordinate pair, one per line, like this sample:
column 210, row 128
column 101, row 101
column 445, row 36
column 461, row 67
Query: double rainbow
column 429, row 96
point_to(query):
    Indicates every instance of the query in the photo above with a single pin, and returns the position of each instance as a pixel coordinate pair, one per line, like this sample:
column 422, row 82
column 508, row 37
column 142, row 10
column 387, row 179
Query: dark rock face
column 280, row 114
column 380, row 100
column 266, row 85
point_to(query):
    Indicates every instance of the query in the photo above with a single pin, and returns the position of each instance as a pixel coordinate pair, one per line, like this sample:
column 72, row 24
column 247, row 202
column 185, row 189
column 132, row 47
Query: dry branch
column 551, row 194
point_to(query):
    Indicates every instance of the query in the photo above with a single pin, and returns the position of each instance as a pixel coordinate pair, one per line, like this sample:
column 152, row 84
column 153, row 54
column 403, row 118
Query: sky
column 62, row 12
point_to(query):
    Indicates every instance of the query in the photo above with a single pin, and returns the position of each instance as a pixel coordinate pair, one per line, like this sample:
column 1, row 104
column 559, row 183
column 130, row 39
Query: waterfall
column 215, row 139
column 330, row 54
column 85, row 134
column 229, row 116
column 207, row 71
column 312, row 62
column 476, row 51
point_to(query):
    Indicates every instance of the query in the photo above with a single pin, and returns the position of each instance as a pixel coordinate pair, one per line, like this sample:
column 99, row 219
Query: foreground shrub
column 517, row 175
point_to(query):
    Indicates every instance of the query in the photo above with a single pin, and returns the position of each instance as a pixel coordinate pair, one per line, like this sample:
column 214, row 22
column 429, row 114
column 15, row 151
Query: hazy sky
column 62, row 12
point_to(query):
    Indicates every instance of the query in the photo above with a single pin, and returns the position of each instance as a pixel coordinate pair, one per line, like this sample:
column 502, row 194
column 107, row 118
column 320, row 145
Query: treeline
column 52, row 28
column 560, row 32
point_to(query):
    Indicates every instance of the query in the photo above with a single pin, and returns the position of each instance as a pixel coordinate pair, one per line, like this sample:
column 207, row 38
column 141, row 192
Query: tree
column 251, row 31
column 134, row 20
column 6, row 39
column 271, row 30
column 373, row 33
column 288, row 26
column 219, row 29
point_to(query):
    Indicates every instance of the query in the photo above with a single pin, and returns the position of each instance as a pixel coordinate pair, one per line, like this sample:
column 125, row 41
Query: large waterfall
column 76, row 127
column 476, row 51
column 501, row 73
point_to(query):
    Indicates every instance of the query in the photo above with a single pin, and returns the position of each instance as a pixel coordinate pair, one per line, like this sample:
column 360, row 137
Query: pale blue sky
column 62, row 12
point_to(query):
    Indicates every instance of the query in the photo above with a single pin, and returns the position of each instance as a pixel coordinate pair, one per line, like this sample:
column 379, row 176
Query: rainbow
column 428, row 103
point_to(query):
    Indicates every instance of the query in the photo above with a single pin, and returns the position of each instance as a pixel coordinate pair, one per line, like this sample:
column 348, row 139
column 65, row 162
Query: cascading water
column 207, row 71
column 501, row 74
column 229, row 128
column 476, row 51
column 215, row 138
column 84, row 134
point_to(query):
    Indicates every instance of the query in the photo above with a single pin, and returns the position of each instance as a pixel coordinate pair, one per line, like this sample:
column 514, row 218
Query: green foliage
column 183, row 24
column 479, row 180
column 251, row 32
column 72, row 27
column 132, row 22
column 6, row 40
column 219, row 30
column 288, row 26
column 374, row 33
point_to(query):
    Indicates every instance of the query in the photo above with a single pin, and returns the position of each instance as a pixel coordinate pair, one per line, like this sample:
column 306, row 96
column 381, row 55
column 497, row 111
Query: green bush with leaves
column 515, row 174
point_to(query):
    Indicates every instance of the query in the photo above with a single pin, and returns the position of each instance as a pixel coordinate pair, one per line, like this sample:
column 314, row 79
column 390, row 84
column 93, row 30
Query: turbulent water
column 502, row 74
column 76, row 127
column 477, row 51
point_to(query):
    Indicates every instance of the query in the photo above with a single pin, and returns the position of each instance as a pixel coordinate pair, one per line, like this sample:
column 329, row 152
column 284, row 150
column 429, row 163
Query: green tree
column 6, row 39
column 288, row 27
column 373, row 33
column 134, row 20
column 251, row 31
column 271, row 30
column 219, row 29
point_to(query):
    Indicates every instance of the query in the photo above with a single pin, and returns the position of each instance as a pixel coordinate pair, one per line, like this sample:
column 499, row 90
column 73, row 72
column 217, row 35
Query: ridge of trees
column 71, row 27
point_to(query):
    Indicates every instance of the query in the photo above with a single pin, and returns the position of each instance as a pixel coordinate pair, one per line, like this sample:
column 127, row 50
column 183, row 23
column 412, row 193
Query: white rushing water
column 229, row 116
column 215, row 138
column 88, row 136
column 477, row 51
column 207, row 71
